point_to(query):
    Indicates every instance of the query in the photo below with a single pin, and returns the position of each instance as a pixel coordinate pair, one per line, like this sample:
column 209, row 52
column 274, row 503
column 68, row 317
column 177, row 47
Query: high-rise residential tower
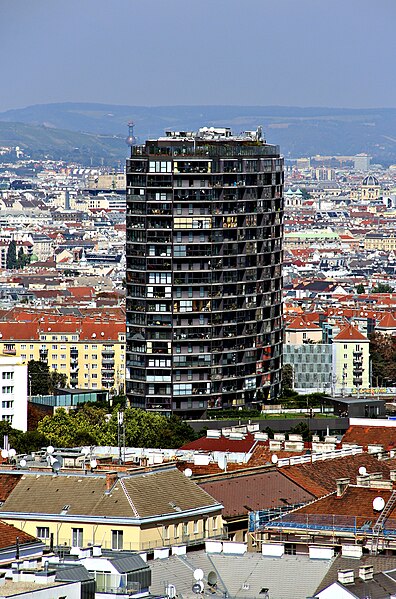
column 204, row 271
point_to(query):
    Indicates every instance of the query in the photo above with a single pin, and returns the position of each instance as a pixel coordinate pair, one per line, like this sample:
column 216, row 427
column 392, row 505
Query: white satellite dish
column 22, row 463
column 56, row 466
column 50, row 449
column 93, row 464
column 362, row 470
column 4, row 454
column 274, row 459
column 188, row 472
column 85, row 450
column 198, row 574
column 378, row 504
column 11, row 453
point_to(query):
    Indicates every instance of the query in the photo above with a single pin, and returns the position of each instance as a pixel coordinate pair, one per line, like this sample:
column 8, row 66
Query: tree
column 23, row 259
column 383, row 359
column 360, row 288
column 11, row 259
column 302, row 428
column 382, row 288
column 90, row 425
column 288, row 376
column 41, row 380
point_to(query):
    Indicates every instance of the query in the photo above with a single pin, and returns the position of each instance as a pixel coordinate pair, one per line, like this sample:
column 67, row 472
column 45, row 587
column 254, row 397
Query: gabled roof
column 301, row 324
column 349, row 333
column 388, row 321
column 165, row 492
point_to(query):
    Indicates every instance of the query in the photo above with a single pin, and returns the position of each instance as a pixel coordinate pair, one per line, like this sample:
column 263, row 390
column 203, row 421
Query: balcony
column 189, row 540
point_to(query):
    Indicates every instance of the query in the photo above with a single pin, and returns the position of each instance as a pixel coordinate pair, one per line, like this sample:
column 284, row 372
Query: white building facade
column 13, row 391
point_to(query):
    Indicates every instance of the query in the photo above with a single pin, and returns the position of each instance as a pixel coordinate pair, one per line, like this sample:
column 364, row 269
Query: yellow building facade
column 89, row 352
column 139, row 512
column 351, row 360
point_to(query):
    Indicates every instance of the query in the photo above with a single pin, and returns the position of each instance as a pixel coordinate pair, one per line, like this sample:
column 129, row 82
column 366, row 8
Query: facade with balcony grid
column 204, row 279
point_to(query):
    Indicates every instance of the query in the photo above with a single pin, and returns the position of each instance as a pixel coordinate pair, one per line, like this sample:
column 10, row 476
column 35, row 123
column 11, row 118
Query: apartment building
column 204, row 280
column 89, row 351
column 139, row 512
column 13, row 392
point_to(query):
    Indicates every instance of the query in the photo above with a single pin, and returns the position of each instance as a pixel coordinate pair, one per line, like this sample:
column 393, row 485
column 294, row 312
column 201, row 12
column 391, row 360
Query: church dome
column 370, row 181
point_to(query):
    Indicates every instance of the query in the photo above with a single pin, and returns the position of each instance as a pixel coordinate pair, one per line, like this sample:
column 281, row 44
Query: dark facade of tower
column 204, row 272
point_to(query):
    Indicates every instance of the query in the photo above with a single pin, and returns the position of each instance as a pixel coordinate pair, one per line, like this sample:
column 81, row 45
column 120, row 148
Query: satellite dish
column 22, row 463
column 378, row 504
column 212, row 579
column 198, row 574
column 274, row 459
column 198, row 587
column 4, row 454
column 85, row 450
column 93, row 464
column 11, row 453
column 50, row 449
column 362, row 470
column 188, row 472
column 56, row 466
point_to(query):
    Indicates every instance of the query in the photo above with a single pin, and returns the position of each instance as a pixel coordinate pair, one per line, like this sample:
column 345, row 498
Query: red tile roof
column 349, row 333
column 319, row 478
column 9, row 535
column 371, row 435
column 388, row 321
column 355, row 501
column 223, row 444
column 7, row 483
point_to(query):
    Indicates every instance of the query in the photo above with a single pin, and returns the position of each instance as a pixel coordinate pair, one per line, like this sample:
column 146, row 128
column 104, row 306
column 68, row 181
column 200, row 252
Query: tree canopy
column 383, row 359
column 90, row 425
column 382, row 288
column 11, row 258
column 42, row 380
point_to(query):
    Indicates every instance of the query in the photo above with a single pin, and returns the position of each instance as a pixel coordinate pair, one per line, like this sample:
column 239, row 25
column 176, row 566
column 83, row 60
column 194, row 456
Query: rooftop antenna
column 121, row 437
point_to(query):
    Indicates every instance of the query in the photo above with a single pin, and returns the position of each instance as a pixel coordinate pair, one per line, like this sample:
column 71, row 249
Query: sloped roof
column 371, row 435
column 300, row 324
column 355, row 502
column 243, row 493
column 8, row 482
column 9, row 535
column 319, row 478
column 222, row 444
column 129, row 563
column 380, row 563
column 154, row 493
column 388, row 321
column 349, row 333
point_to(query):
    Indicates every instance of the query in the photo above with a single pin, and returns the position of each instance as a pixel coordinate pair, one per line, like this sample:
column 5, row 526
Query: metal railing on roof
column 357, row 525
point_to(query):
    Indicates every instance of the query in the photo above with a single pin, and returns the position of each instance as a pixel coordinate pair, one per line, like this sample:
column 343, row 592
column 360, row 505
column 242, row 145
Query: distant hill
column 299, row 131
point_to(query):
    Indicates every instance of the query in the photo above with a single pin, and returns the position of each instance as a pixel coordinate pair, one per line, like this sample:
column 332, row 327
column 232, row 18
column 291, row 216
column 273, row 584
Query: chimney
column 111, row 479
column 342, row 484
column 366, row 572
column 346, row 576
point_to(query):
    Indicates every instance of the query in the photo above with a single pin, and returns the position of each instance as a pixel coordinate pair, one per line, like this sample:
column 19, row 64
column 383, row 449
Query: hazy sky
column 160, row 52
